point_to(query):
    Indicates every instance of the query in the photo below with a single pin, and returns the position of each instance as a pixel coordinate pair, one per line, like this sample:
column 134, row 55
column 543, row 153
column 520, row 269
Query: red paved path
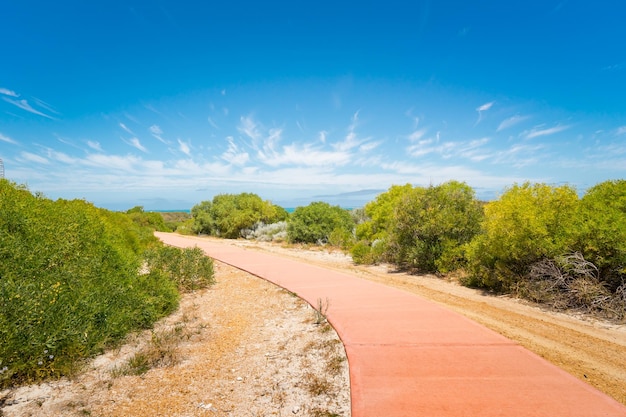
column 411, row 357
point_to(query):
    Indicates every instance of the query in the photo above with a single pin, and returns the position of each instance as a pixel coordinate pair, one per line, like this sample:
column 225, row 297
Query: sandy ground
column 251, row 349
column 241, row 348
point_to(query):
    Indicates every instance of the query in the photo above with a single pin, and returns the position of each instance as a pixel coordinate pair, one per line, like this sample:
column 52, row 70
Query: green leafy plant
column 431, row 224
column 228, row 215
column 317, row 222
column 528, row 223
column 69, row 283
column 189, row 268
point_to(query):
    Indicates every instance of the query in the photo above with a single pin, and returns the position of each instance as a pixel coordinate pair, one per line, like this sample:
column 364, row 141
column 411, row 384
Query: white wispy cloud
column 249, row 127
column 126, row 129
column 510, row 122
column 369, row 146
column 472, row 150
column 7, row 139
column 8, row 92
column 417, row 135
column 539, row 131
column 23, row 104
column 485, row 106
column 45, row 105
column 31, row 157
column 212, row 123
column 157, row 133
column 127, row 163
column 351, row 140
column 620, row 130
column 521, row 155
column 135, row 143
column 61, row 157
column 415, row 119
column 94, row 145
column 482, row 108
column 234, row 155
column 421, row 148
column 184, row 147
column 307, row 155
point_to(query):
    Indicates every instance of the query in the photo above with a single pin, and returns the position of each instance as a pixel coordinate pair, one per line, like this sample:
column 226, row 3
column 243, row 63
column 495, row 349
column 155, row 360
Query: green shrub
column 600, row 230
column 147, row 219
column 189, row 268
column 316, row 223
column 430, row 225
column 379, row 214
column 228, row 215
column 361, row 253
column 528, row 223
column 69, row 284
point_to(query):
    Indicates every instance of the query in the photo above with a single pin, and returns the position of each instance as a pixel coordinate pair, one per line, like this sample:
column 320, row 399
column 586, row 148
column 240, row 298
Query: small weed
column 334, row 365
column 162, row 351
column 321, row 310
column 320, row 412
column 317, row 385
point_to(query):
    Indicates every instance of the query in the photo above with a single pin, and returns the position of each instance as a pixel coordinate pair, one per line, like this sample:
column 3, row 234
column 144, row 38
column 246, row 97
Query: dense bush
column 373, row 231
column 189, row 268
column 148, row 219
column 178, row 221
column 69, row 283
column 227, row 215
column 430, row 225
column 600, row 230
column 528, row 223
column 318, row 222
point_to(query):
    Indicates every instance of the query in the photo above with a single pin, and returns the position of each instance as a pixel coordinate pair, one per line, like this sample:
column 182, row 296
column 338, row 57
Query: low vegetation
column 228, row 215
column 531, row 242
column 320, row 223
column 75, row 279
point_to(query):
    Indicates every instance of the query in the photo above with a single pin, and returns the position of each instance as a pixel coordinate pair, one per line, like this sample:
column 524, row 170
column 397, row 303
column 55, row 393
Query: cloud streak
column 510, row 122
column 482, row 108
column 135, row 143
column 538, row 132
column 7, row 92
column 23, row 104
column 184, row 147
column 7, row 139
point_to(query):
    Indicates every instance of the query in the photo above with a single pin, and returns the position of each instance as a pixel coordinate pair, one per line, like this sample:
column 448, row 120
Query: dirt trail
column 592, row 350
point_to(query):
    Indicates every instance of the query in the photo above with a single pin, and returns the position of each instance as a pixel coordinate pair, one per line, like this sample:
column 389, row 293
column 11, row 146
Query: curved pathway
column 411, row 357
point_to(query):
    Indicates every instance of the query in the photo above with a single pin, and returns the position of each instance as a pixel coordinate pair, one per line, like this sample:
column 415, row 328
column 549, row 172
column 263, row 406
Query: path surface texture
column 411, row 357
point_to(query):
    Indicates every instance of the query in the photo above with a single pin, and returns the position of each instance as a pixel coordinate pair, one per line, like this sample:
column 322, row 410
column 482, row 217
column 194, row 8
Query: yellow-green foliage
column 529, row 222
column 147, row 219
column 430, row 225
column 228, row 215
column 189, row 268
column 418, row 228
column 600, row 231
column 318, row 222
column 69, row 283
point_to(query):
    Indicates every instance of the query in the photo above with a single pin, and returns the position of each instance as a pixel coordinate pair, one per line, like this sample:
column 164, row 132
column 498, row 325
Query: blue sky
column 167, row 103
